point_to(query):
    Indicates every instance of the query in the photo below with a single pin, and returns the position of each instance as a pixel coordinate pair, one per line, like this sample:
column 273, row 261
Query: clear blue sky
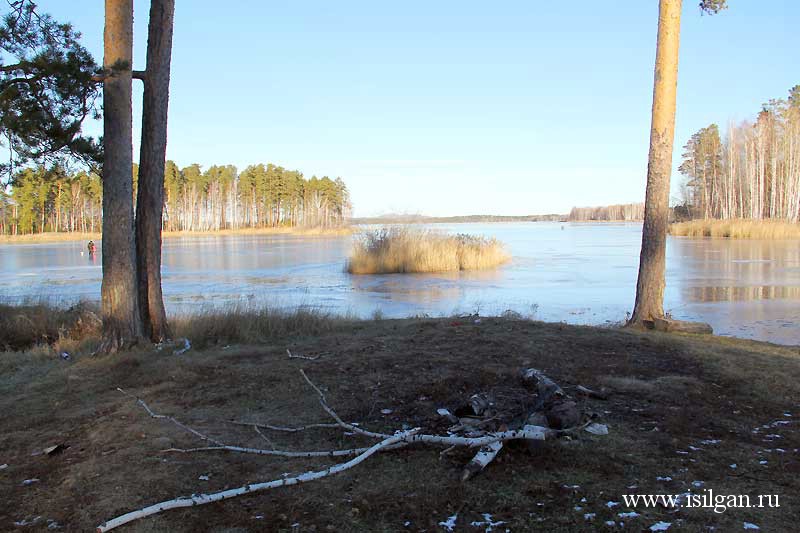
column 453, row 107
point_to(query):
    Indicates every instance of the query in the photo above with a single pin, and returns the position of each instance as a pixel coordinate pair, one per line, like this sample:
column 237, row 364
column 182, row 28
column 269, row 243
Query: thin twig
column 165, row 417
column 292, row 356
column 266, row 439
column 283, row 428
column 333, row 414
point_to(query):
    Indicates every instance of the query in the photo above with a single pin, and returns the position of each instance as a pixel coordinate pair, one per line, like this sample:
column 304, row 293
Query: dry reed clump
column 27, row 326
column 736, row 229
column 407, row 250
column 242, row 323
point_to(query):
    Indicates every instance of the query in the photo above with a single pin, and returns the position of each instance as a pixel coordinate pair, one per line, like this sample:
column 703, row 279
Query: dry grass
column 50, row 328
column 736, row 229
column 283, row 230
column 406, row 250
column 243, row 323
column 33, row 325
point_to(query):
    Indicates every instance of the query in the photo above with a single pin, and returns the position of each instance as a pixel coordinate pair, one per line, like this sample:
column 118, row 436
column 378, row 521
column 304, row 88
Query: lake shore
column 49, row 237
column 682, row 410
column 736, row 229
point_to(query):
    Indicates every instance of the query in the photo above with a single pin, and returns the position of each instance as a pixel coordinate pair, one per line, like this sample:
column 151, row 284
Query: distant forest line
column 44, row 199
column 422, row 219
column 608, row 213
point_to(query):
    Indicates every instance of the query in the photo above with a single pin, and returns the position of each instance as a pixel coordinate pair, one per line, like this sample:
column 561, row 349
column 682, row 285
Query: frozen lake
column 577, row 273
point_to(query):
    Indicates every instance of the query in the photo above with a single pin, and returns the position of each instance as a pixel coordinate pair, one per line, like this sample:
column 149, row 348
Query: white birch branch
column 202, row 499
column 277, row 453
column 484, row 456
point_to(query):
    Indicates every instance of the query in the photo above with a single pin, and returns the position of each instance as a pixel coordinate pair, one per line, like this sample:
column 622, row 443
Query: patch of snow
column 632, row 514
column 26, row 522
column 733, row 466
column 611, row 505
column 708, row 442
column 596, row 429
column 750, row 525
column 589, row 516
column 762, row 462
column 450, row 523
column 662, row 478
column 660, row 526
column 610, row 523
column 682, row 452
column 695, row 448
column 490, row 525
column 578, row 508
column 204, row 477
column 407, row 523
column 3, row 466
column 698, row 484
column 386, row 411
column 583, row 500
column 30, row 481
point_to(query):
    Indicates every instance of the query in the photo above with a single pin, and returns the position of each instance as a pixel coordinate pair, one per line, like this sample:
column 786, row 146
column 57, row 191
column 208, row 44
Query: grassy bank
column 52, row 329
column 736, row 229
column 77, row 236
column 406, row 250
column 681, row 410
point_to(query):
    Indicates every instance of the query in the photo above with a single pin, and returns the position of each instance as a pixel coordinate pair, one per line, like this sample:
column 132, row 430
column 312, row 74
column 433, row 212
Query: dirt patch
column 679, row 407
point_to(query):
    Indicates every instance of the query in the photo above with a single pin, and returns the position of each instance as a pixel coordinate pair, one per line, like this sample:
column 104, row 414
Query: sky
column 456, row 106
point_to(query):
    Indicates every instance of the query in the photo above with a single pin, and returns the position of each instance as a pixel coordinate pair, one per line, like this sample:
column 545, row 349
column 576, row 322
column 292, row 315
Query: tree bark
column 152, row 160
column 121, row 323
column 652, row 260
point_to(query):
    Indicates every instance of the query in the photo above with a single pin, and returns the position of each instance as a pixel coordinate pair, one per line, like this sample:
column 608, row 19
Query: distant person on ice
column 92, row 248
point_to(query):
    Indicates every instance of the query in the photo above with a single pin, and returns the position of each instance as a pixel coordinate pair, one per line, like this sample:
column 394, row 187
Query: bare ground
column 671, row 398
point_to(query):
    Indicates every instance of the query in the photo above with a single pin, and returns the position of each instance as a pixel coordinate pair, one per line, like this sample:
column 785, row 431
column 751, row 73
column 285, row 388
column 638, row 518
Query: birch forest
column 752, row 171
column 50, row 199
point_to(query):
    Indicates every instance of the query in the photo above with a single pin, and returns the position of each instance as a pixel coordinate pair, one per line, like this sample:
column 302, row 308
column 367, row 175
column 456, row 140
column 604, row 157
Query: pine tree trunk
column 152, row 160
column 652, row 261
column 121, row 323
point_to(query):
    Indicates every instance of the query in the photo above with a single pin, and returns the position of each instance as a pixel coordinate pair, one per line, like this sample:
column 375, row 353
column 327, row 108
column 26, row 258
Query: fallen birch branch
column 276, row 453
column 549, row 397
column 202, row 499
column 484, row 456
